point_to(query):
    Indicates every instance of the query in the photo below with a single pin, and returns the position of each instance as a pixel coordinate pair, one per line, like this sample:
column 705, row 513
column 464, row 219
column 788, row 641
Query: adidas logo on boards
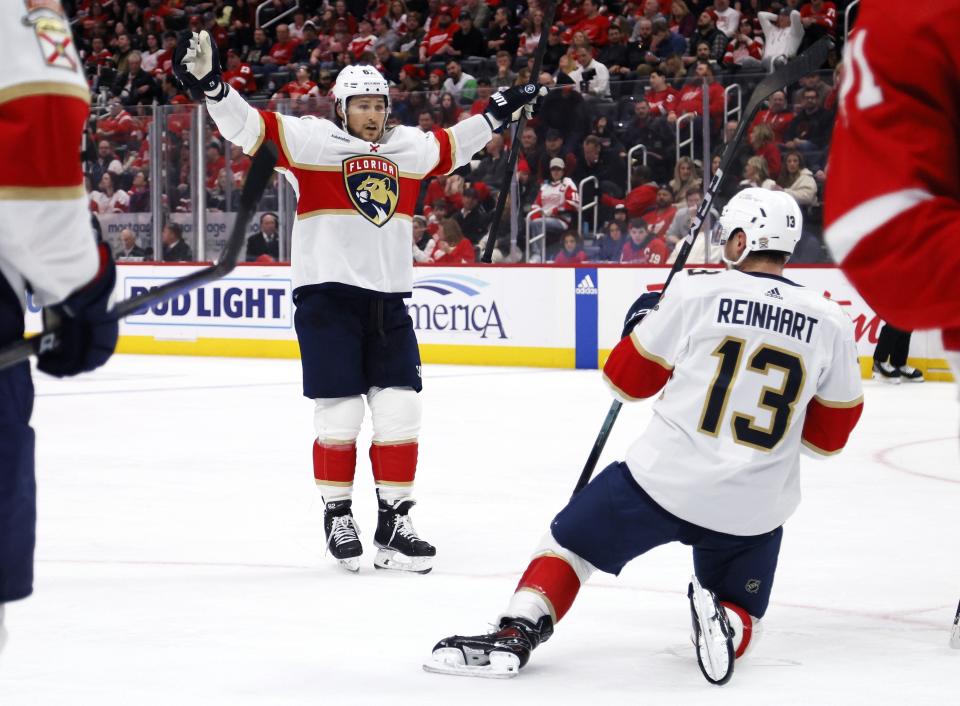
column 586, row 286
column 773, row 293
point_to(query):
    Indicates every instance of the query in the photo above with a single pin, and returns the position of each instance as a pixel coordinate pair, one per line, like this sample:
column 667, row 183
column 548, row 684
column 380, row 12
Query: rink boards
column 539, row 316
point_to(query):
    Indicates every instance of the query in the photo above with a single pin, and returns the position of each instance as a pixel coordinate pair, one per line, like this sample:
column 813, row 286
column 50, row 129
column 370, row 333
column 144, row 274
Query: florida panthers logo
column 373, row 185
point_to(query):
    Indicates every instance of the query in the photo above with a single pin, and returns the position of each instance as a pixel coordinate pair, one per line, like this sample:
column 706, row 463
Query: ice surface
column 180, row 552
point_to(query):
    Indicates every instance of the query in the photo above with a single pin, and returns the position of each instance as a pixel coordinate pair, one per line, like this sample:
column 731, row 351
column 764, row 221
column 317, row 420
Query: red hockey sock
column 394, row 464
column 334, row 466
column 555, row 580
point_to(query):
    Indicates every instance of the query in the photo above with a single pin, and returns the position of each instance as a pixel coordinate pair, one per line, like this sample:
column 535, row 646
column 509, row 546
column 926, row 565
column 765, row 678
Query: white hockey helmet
column 771, row 220
column 359, row 81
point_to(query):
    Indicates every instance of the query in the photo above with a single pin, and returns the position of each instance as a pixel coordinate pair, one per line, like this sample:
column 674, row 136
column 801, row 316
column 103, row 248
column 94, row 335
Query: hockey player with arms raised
column 753, row 370
column 47, row 245
column 357, row 184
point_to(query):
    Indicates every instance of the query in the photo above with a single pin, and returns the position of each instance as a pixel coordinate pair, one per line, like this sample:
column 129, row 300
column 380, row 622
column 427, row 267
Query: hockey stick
column 487, row 255
column 808, row 62
column 955, row 632
column 256, row 181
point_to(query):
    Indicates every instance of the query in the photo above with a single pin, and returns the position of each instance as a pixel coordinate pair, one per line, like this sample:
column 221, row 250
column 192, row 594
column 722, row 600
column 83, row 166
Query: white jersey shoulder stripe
column 854, row 225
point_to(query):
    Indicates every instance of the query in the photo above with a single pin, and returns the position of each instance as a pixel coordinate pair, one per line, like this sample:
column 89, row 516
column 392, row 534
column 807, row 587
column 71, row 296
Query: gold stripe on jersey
column 818, row 450
column 396, row 483
column 839, row 405
column 620, row 392
column 648, row 355
column 395, row 443
column 263, row 134
column 337, row 483
column 342, row 212
column 453, row 149
column 42, row 193
column 44, row 88
column 529, row 589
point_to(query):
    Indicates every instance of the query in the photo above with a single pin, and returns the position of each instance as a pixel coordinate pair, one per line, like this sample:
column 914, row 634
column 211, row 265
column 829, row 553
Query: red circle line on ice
column 881, row 457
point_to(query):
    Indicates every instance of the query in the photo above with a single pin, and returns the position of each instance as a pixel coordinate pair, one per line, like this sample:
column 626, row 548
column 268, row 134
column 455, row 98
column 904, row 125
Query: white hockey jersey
column 755, row 368
column 355, row 199
column 45, row 234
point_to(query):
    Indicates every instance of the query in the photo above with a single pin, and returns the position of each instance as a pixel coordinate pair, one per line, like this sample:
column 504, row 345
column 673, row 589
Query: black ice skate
column 499, row 655
column 397, row 542
column 910, row 374
column 712, row 634
column 343, row 541
column 887, row 373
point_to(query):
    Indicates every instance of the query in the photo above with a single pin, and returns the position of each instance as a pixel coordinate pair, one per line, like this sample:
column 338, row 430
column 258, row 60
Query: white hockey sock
column 392, row 493
column 528, row 605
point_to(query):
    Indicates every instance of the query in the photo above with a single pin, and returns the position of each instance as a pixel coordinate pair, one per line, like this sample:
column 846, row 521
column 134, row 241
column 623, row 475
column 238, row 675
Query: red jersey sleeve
column 891, row 210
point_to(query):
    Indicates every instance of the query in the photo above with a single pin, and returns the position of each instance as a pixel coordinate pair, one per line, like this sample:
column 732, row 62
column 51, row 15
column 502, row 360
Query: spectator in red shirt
column 572, row 252
column 299, row 88
column 452, row 248
column 215, row 162
column 663, row 98
column 762, row 141
column 117, row 126
column 239, row 74
column 342, row 12
column 818, row 17
column 776, row 115
column 662, row 214
column 363, row 41
column 594, row 25
column 438, row 44
column 745, row 50
column 691, row 98
column 282, row 50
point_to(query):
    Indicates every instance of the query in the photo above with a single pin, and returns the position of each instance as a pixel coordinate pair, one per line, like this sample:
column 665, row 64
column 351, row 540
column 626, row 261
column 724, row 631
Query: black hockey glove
column 638, row 310
column 505, row 106
column 196, row 64
column 87, row 331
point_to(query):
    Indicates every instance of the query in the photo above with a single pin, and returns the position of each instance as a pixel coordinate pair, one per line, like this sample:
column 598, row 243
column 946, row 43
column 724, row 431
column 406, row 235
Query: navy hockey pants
column 613, row 520
column 18, row 490
column 352, row 341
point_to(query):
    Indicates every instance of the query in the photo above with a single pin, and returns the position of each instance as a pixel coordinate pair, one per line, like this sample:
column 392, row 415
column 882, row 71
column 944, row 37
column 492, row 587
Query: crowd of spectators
column 620, row 74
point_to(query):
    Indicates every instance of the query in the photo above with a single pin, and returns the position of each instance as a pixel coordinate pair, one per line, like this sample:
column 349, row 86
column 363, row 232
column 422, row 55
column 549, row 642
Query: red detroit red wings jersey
column 891, row 209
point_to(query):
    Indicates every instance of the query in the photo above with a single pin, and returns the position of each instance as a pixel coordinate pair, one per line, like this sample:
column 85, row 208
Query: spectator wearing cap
column 501, row 35
column 555, row 50
column 572, row 251
column 663, row 212
column 239, row 74
column 590, row 76
column 412, row 37
column 472, row 217
column 708, row 33
column 468, row 41
column 556, row 205
column 309, row 40
column 564, row 110
column 782, row 34
column 438, row 43
column 593, row 24
column 462, row 85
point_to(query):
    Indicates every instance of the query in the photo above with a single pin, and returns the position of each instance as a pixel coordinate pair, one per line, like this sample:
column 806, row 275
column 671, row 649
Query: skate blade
column 352, row 564
column 714, row 644
column 394, row 560
column 955, row 637
column 449, row 660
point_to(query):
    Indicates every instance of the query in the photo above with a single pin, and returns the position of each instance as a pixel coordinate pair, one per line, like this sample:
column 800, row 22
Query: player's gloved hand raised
column 196, row 65
column 87, row 333
column 505, row 107
column 638, row 310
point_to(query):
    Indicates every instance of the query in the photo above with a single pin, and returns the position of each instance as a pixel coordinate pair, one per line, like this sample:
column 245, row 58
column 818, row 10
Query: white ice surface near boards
column 180, row 552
